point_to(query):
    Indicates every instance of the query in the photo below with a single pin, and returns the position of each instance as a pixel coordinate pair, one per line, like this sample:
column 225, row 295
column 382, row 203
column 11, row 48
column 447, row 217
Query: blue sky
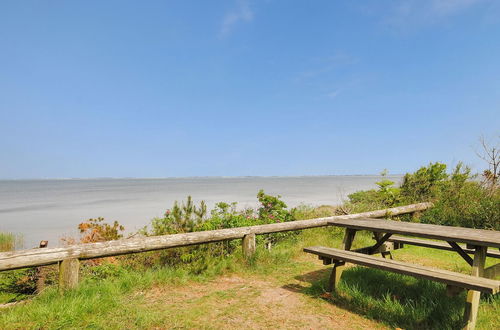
column 228, row 88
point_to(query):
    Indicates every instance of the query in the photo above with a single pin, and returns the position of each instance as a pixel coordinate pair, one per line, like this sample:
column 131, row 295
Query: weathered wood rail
column 69, row 256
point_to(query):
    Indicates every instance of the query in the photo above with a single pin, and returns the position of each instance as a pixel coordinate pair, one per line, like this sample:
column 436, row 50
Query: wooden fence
column 68, row 257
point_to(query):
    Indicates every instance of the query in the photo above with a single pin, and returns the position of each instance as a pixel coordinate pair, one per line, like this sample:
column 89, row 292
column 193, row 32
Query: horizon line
column 191, row 177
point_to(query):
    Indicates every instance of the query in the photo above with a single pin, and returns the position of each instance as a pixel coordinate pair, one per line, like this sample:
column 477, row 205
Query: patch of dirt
column 255, row 303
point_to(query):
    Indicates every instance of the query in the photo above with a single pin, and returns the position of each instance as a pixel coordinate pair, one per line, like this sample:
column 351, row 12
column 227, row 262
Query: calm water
column 51, row 209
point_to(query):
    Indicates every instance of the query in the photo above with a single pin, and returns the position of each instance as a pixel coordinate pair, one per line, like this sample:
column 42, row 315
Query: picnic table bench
column 476, row 243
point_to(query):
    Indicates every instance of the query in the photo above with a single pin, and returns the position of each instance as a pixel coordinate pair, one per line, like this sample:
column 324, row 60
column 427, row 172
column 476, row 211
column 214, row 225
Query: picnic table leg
column 349, row 238
column 385, row 248
column 472, row 304
column 338, row 267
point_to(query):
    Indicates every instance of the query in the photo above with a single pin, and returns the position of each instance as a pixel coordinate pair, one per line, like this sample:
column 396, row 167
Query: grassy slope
column 209, row 298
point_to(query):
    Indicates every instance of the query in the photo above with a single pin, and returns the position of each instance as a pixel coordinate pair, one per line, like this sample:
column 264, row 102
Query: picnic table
column 477, row 242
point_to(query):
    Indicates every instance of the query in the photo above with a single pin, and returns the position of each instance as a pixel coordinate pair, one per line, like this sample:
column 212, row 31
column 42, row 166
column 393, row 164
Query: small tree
column 96, row 230
column 490, row 154
column 421, row 185
column 388, row 193
column 182, row 218
column 272, row 208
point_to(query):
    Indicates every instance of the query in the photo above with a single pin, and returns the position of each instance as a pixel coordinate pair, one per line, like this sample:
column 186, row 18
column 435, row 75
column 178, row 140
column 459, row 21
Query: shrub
column 303, row 212
column 422, row 185
column 465, row 204
column 179, row 219
column 389, row 195
column 188, row 217
column 18, row 282
column 96, row 230
column 385, row 196
column 272, row 209
column 459, row 200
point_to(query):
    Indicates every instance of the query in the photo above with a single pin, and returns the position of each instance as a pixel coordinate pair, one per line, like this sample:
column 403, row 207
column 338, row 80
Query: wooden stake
column 40, row 272
column 68, row 274
column 248, row 245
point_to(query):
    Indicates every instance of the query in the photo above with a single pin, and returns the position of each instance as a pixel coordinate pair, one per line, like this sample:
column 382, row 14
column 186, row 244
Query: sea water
column 51, row 209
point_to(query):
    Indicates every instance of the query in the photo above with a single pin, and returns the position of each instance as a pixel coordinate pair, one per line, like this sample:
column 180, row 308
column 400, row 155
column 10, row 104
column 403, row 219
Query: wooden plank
column 439, row 275
column 35, row 257
column 327, row 253
column 436, row 245
column 476, row 237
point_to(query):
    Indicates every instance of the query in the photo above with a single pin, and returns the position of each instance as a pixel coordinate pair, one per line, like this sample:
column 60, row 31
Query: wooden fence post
column 68, row 274
column 40, row 272
column 248, row 245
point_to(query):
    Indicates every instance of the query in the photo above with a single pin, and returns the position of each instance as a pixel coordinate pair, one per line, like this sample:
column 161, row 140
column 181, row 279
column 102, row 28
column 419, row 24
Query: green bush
column 303, row 212
column 19, row 282
column 423, row 184
column 385, row 196
column 187, row 217
column 466, row 205
column 459, row 199
column 179, row 219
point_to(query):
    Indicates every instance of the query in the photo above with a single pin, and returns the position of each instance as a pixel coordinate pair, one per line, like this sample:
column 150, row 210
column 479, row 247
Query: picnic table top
column 481, row 237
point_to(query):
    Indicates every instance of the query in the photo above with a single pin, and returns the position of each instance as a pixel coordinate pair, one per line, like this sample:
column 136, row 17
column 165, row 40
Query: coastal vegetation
column 120, row 288
column 9, row 241
column 459, row 198
column 281, row 286
column 6, row 242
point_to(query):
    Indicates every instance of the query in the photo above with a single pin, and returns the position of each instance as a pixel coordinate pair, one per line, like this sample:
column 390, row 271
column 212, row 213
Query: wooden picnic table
column 479, row 240
column 474, row 237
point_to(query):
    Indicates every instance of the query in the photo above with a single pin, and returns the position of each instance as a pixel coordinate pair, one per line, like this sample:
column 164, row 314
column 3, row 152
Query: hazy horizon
column 197, row 176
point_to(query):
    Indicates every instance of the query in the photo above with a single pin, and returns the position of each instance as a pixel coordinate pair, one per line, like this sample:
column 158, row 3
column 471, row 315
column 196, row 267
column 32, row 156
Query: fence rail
column 46, row 256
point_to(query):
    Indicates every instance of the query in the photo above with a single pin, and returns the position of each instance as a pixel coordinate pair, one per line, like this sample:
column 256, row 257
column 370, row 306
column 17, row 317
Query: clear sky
column 229, row 88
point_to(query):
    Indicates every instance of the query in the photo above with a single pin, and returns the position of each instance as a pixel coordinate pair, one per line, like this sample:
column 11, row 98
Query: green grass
column 111, row 296
column 8, row 242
